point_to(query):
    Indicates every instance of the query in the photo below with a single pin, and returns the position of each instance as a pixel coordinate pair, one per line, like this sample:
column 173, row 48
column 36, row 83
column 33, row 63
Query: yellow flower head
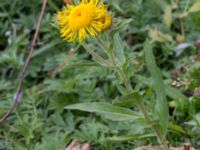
column 81, row 21
column 106, row 21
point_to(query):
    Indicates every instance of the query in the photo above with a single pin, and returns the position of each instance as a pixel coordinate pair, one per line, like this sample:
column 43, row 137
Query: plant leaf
column 168, row 16
column 161, row 3
column 109, row 111
column 161, row 107
column 119, row 25
column 118, row 49
column 177, row 129
column 174, row 93
column 130, row 137
column 157, row 35
column 195, row 7
column 127, row 100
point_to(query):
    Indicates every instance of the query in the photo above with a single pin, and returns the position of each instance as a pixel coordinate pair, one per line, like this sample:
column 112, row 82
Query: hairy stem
column 129, row 87
column 187, row 5
column 96, row 56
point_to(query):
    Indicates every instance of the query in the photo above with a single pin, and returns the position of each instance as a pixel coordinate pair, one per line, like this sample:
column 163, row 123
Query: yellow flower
column 81, row 21
column 106, row 21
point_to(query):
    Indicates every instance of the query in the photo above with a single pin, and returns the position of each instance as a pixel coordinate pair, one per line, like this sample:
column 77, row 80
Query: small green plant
column 125, row 76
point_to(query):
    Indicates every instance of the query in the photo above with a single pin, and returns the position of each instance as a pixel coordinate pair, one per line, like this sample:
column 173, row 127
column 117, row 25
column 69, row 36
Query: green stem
column 120, row 72
column 130, row 89
column 101, row 44
column 96, row 56
column 149, row 121
column 187, row 5
column 125, row 79
column 182, row 27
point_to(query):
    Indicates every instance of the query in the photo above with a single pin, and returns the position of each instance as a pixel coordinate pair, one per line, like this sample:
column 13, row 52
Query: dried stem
column 62, row 64
column 17, row 96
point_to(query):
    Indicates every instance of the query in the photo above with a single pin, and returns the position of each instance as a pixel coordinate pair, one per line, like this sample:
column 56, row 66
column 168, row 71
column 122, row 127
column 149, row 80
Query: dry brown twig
column 17, row 96
column 62, row 64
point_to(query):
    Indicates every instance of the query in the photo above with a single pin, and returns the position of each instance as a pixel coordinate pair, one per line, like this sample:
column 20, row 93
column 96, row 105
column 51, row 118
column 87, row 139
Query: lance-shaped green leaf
column 157, row 35
column 168, row 16
column 109, row 111
column 175, row 94
column 195, row 7
column 118, row 47
column 128, row 100
column 178, row 129
column 131, row 137
column 161, row 107
column 119, row 25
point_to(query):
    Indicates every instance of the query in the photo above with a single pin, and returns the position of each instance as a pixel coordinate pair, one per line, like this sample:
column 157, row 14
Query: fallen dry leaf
column 150, row 147
column 185, row 147
column 76, row 145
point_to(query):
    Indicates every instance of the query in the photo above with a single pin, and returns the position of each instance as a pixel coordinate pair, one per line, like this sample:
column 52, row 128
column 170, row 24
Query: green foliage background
column 41, row 121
